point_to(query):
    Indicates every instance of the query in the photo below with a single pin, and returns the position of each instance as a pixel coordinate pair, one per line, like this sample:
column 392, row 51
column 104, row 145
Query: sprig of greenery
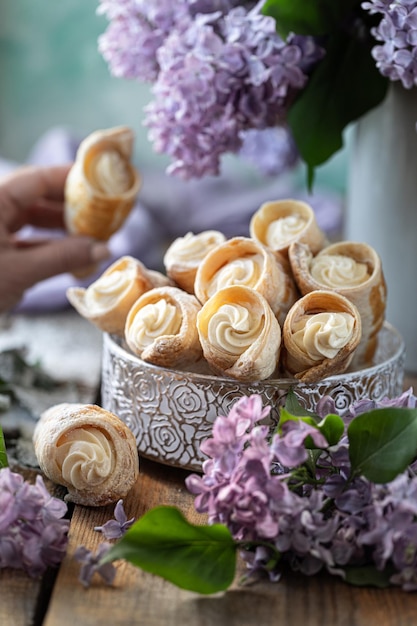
column 344, row 85
column 202, row 558
column 3, row 454
column 194, row 557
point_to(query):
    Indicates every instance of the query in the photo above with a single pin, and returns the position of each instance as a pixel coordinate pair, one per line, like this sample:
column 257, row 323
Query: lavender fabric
column 167, row 208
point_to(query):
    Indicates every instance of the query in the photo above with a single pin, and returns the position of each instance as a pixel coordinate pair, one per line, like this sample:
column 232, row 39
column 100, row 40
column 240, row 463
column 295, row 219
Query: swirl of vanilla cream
column 241, row 271
column 233, row 329
column 106, row 290
column 85, row 457
column 322, row 335
column 338, row 271
column 284, row 229
column 191, row 249
column 152, row 321
column 109, row 173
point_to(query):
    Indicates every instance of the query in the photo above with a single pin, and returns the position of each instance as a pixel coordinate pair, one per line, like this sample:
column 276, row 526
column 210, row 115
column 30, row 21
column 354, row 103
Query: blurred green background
column 53, row 75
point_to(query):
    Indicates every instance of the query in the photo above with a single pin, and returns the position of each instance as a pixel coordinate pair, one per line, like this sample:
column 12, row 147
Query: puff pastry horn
column 277, row 224
column 102, row 185
column 107, row 301
column 184, row 255
column 239, row 333
column 88, row 450
column 161, row 327
column 354, row 270
column 244, row 261
column 321, row 333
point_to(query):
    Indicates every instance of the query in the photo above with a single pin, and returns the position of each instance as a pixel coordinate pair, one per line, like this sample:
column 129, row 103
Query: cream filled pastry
column 88, row 450
column 102, row 185
column 161, row 327
column 245, row 262
column 107, row 301
column 85, row 457
column 185, row 254
column 284, row 229
column 321, row 333
column 109, row 173
column 277, row 224
column 239, row 334
column 354, row 270
column 337, row 270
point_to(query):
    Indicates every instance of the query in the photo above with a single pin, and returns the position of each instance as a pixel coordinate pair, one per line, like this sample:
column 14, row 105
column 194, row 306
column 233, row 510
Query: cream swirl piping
column 107, row 289
column 284, row 229
column 233, row 329
column 86, row 457
column 323, row 335
column 191, row 249
column 337, row 270
column 153, row 321
column 109, row 173
column 242, row 271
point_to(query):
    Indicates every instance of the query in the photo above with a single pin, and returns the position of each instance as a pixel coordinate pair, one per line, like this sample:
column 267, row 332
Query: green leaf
column 344, row 86
column 286, row 416
column 293, row 406
column 308, row 17
column 163, row 542
column 368, row 576
column 382, row 443
column 3, row 454
column 331, row 427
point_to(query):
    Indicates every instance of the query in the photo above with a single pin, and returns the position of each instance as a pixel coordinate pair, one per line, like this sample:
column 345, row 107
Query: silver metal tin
column 171, row 412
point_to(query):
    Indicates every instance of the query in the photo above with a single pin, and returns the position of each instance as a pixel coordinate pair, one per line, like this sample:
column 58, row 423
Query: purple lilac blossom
column 221, row 76
column 396, row 57
column 137, row 29
column 271, row 150
column 116, row 528
column 330, row 521
column 33, row 533
column 91, row 564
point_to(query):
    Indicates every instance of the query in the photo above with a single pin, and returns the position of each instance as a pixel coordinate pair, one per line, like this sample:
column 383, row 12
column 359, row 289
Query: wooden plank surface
column 140, row 599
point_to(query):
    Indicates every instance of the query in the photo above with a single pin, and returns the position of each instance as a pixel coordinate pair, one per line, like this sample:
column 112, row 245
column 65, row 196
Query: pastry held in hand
column 107, row 301
column 88, row 450
column 185, row 254
column 354, row 270
column 161, row 327
column 239, row 333
column 102, row 185
column 243, row 261
column 320, row 335
column 280, row 223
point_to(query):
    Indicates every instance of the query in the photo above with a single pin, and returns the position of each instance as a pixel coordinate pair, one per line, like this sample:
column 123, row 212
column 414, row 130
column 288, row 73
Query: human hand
column 35, row 195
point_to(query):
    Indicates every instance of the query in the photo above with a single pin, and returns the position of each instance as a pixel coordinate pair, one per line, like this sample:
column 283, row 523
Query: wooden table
column 138, row 598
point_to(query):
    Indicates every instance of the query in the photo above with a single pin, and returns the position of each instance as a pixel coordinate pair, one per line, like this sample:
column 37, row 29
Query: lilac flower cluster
column 33, row 531
column 137, row 29
column 282, row 509
column 221, row 76
column 396, row 57
column 218, row 70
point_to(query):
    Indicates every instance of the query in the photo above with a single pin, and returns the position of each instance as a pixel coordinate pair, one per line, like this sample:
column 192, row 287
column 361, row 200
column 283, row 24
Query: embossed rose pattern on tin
column 170, row 412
